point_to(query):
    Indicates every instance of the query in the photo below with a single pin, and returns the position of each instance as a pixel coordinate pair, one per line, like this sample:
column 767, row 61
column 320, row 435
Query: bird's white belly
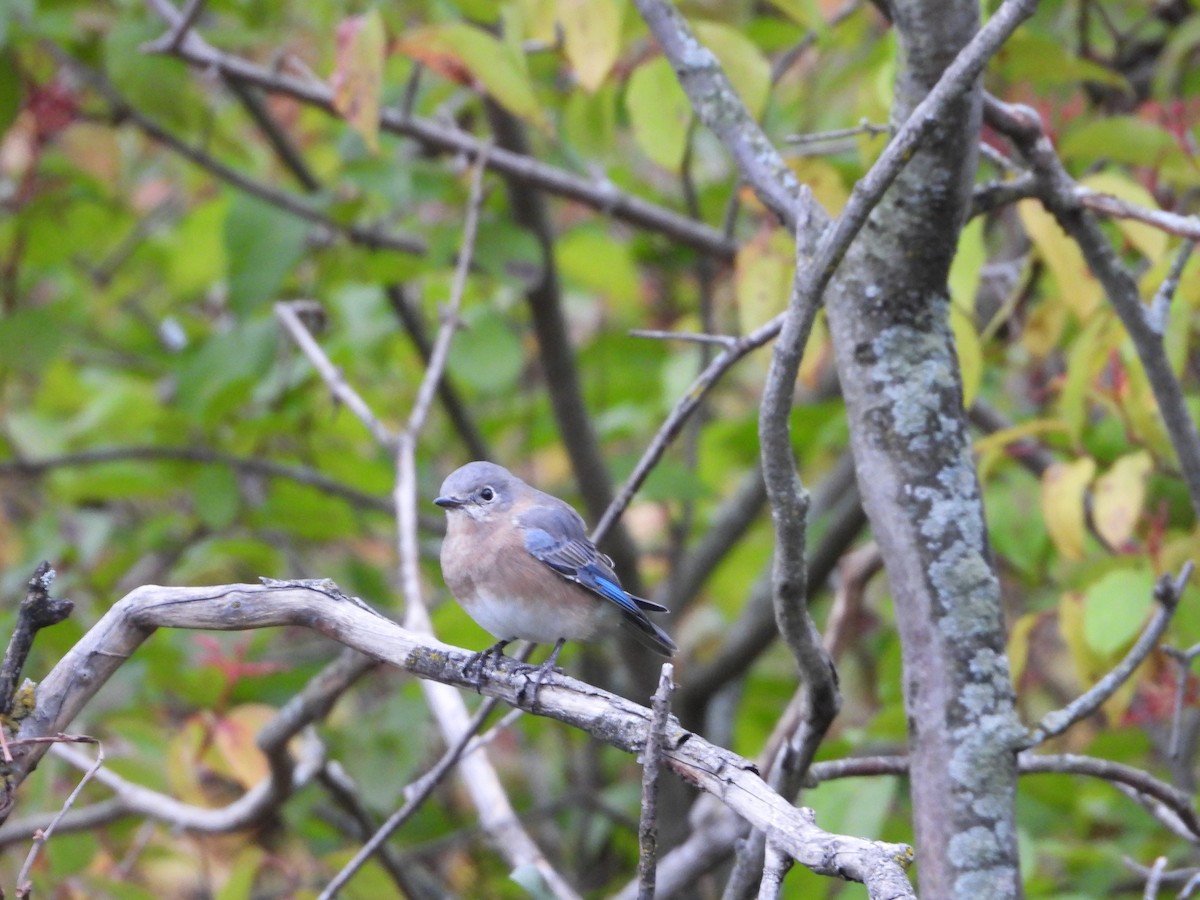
column 544, row 623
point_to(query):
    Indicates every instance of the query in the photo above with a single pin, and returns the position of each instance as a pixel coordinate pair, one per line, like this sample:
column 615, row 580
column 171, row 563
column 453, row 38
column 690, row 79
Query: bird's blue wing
column 555, row 536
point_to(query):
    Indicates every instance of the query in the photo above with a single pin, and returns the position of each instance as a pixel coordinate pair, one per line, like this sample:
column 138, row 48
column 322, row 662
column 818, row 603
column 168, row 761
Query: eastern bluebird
column 520, row 563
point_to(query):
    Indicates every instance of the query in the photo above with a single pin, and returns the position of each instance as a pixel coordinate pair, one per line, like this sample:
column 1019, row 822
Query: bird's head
column 479, row 490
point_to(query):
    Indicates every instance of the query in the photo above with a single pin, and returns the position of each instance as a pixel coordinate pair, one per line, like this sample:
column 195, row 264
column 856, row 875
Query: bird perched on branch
column 520, row 563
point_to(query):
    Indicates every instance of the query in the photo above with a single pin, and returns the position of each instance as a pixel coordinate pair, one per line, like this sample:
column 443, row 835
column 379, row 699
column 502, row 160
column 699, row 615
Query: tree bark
column 888, row 313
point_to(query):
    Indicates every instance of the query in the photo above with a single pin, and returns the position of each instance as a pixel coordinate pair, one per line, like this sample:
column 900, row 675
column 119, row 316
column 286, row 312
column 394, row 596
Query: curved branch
column 321, row 607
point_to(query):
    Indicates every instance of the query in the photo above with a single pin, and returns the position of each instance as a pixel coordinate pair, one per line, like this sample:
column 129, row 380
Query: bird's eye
column 487, row 495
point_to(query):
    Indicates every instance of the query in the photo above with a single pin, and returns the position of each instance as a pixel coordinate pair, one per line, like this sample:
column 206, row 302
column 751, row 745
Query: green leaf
column 659, row 113
column 1120, row 139
column 487, row 354
column 222, row 372
column 216, row 497
column 747, row 69
column 591, row 259
column 155, row 85
column 1115, row 607
column 262, row 243
column 805, row 13
column 590, row 121
column 1046, row 62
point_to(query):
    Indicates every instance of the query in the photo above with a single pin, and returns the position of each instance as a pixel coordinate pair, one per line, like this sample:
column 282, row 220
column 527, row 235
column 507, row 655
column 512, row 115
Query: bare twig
column 412, row 803
column 1183, row 660
column 808, row 218
column 723, row 340
column 677, row 418
column 289, row 315
column 37, row 611
column 651, row 761
column 727, row 525
column 344, row 792
column 487, row 793
column 40, row 839
column 837, row 134
column 406, row 309
column 775, row 865
column 441, row 345
column 1116, row 208
column 171, row 41
column 709, row 90
column 756, row 628
column 789, row 501
column 286, row 149
column 1167, row 593
column 1160, row 306
column 1117, row 774
column 1156, row 874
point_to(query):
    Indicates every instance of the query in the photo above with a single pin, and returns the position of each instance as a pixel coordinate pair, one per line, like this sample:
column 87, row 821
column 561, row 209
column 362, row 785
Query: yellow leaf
column 591, row 38
column 1086, row 358
column 1139, row 403
column 1088, row 667
column 1150, row 241
column 539, row 19
column 823, row 180
column 967, row 265
column 1063, row 487
column 1018, row 645
column 970, row 354
column 1118, row 496
column 357, row 78
column 763, row 277
column 1078, row 289
column 1044, row 327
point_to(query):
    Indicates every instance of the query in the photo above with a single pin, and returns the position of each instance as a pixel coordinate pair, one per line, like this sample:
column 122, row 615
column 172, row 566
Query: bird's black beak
column 448, row 502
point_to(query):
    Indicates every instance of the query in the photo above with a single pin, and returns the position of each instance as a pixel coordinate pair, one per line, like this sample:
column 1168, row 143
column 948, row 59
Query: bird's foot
column 538, row 675
column 478, row 663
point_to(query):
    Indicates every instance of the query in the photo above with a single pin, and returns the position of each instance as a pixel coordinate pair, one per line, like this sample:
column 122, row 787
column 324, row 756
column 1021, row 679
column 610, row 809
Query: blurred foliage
column 136, row 293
